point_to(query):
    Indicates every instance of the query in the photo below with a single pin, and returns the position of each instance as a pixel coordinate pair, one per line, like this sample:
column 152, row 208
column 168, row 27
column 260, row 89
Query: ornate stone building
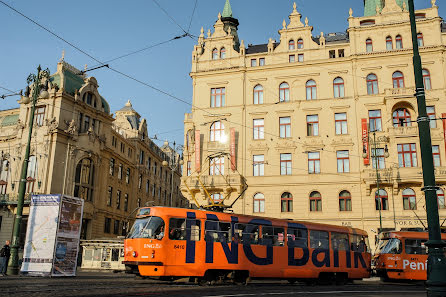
column 299, row 128
column 78, row 148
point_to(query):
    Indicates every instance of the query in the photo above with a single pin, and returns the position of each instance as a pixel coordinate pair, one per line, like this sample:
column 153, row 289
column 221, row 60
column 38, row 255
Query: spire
column 227, row 10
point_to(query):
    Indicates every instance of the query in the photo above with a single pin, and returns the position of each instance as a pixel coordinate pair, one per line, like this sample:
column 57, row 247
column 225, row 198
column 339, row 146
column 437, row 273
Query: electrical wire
column 147, row 84
column 192, row 16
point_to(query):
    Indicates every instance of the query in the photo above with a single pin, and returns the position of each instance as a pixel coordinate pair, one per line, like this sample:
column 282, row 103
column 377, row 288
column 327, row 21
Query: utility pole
column 436, row 263
column 13, row 267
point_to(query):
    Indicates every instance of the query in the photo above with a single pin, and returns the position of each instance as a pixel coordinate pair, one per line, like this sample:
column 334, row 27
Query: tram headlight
column 135, row 254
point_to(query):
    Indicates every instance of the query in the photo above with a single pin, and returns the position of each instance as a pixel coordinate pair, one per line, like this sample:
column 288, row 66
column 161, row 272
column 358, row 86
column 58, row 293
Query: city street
column 118, row 284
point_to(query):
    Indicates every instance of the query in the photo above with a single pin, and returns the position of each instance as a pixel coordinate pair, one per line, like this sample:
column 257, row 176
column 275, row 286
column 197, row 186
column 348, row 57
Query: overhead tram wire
column 192, row 16
column 146, row 84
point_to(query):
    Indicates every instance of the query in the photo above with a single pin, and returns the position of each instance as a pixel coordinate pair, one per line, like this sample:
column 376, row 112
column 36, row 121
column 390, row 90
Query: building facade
column 79, row 148
column 300, row 128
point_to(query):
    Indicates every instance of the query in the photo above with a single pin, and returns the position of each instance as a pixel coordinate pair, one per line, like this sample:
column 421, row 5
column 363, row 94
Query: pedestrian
column 5, row 252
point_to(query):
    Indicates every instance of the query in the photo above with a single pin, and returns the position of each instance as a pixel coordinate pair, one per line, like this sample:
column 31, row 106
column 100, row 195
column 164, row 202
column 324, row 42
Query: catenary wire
column 192, row 16
column 148, row 85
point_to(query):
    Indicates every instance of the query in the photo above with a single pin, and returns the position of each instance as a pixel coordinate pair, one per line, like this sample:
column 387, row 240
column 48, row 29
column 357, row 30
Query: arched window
column 440, row 195
column 315, row 201
column 409, row 199
column 345, row 201
column 300, row 43
column 291, row 44
column 372, row 84
column 381, row 200
column 84, row 179
column 398, row 79
column 420, row 40
column 217, row 131
column 311, row 89
column 399, row 42
column 222, row 53
column 4, row 177
column 286, row 202
column 258, row 94
column 369, row 45
column 31, row 175
column 284, row 92
column 401, row 118
column 427, row 79
column 389, row 43
column 259, row 203
column 338, row 87
column 215, row 54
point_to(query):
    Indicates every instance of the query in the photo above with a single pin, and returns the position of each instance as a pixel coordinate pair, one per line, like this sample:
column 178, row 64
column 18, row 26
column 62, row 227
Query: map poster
column 68, row 236
column 41, row 235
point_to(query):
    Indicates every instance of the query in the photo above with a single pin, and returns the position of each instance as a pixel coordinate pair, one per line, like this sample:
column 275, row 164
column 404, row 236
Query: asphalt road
column 117, row 284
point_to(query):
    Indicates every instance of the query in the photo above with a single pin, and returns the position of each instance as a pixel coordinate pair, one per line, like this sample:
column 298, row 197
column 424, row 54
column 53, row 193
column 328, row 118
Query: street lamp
column 13, row 267
column 375, row 161
column 174, row 161
column 436, row 261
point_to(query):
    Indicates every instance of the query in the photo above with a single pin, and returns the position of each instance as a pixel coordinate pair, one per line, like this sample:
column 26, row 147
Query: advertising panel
column 68, row 235
column 41, row 234
column 365, row 140
column 52, row 236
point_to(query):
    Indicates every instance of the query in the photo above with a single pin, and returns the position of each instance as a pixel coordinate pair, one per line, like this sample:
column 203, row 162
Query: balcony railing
column 11, row 199
column 399, row 92
column 228, row 183
column 410, row 131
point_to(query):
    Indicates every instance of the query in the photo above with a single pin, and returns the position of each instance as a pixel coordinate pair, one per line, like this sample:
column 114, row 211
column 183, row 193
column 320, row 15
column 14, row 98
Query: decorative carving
column 350, row 12
column 322, row 39
column 52, row 125
column 295, row 17
column 63, row 56
column 404, row 6
column 433, row 3
column 306, row 22
column 391, row 6
column 284, row 25
column 71, row 127
column 19, row 125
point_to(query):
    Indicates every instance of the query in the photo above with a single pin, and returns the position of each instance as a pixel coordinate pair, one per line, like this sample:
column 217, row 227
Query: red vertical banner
column 365, row 140
column 197, row 151
column 443, row 116
column 233, row 164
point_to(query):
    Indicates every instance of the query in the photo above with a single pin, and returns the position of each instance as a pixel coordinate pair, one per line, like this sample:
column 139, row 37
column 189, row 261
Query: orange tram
column 402, row 255
column 172, row 243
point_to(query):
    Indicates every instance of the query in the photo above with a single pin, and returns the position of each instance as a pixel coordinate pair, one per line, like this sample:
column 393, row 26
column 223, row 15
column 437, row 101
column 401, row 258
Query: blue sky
column 109, row 28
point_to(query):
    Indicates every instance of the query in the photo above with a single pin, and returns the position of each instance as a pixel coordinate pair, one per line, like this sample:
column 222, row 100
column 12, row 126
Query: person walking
column 5, row 252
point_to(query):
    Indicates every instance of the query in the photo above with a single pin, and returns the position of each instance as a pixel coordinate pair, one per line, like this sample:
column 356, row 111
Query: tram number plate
column 179, row 247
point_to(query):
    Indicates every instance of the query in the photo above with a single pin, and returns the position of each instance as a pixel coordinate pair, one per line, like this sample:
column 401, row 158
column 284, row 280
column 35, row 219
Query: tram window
column 319, row 239
column 339, row 241
column 297, row 237
column 393, row 246
column 415, row 246
column 179, row 231
column 359, row 243
column 279, row 238
column 249, row 233
column 267, row 235
column 148, row 227
column 218, row 231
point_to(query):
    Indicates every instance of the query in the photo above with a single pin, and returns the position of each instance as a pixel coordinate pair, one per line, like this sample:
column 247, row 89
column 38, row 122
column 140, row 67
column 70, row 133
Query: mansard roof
column 333, row 38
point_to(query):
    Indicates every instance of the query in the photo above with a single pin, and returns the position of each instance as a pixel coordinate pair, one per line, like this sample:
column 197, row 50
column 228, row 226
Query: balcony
column 399, row 132
column 398, row 177
column 11, row 199
column 220, row 183
column 397, row 93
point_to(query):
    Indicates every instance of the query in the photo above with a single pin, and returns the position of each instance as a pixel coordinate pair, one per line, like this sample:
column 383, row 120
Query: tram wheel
column 292, row 281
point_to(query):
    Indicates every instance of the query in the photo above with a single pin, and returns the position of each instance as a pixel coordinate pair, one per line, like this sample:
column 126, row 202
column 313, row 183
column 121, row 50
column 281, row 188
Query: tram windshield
column 148, row 227
column 390, row 246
